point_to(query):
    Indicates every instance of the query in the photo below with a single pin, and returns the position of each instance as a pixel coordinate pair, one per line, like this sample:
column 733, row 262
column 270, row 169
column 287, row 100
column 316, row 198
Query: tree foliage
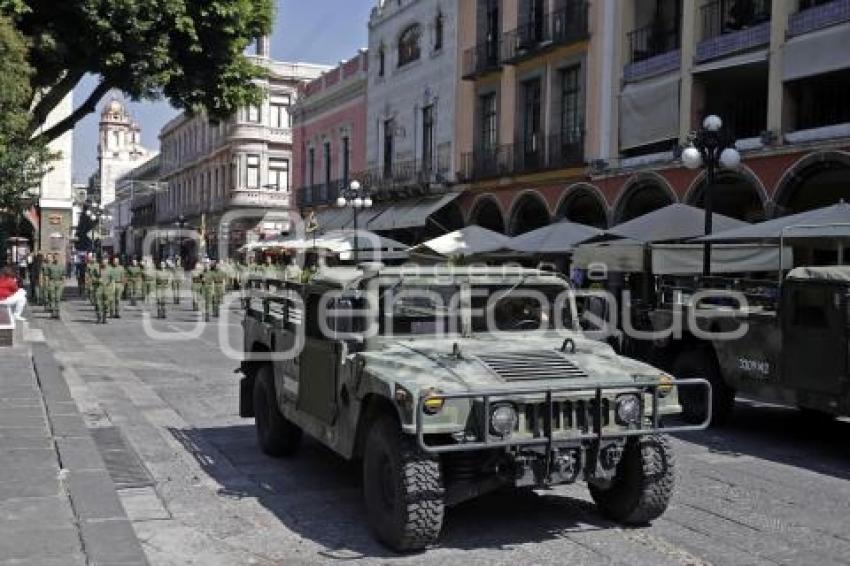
column 191, row 52
column 23, row 161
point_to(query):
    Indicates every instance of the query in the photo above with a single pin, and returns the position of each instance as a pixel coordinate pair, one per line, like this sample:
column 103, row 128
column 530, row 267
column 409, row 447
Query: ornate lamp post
column 97, row 214
column 713, row 148
column 356, row 197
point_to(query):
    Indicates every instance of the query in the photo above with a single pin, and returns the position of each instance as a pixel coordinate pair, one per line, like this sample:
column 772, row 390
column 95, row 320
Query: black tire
column 402, row 488
column 276, row 436
column 643, row 484
column 702, row 364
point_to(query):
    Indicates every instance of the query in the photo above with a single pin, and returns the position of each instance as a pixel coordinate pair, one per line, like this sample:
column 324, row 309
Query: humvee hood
column 525, row 361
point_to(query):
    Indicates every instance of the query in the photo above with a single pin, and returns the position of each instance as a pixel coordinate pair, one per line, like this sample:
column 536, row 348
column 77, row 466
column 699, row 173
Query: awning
column 687, row 259
column 407, row 214
column 750, row 58
column 816, row 53
column 334, row 218
column 829, row 222
column 649, row 112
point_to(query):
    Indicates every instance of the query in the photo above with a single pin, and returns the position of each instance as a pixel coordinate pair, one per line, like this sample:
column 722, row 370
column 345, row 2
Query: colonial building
column 575, row 109
column 140, row 184
column 119, row 150
column 237, row 169
column 329, row 133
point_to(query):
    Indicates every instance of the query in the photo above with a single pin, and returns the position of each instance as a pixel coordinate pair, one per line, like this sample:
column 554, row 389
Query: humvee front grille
column 527, row 366
column 566, row 415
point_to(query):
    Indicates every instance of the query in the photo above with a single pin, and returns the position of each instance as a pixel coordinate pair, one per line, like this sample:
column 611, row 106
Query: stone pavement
column 58, row 505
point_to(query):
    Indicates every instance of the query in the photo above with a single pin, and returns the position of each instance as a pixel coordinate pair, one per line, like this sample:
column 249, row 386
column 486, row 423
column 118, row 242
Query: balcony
column 817, row 16
column 732, row 26
column 258, row 198
column 319, row 195
column 653, row 50
column 559, row 151
column 562, row 27
column 482, row 59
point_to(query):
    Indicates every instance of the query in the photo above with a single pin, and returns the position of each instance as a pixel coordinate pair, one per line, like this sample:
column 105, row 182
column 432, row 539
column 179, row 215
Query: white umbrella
column 472, row 240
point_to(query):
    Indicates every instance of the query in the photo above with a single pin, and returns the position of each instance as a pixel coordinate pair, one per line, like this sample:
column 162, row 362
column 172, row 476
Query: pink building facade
column 329, row 133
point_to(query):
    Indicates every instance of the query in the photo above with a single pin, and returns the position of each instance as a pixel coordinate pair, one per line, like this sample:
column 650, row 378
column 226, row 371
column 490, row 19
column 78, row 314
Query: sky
column 312, row 31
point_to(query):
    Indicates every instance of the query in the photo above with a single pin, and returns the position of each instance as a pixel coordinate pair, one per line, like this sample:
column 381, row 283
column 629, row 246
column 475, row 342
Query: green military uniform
column 148, row 281
column 135, row 282
column 197, row 287
column 176, row 272
column 55, row 281
column 100, row 293
column 162, row 282
column 116, row 279
column 212, row 282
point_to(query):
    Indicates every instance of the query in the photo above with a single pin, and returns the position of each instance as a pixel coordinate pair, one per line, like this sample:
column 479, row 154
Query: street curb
column 105, row 531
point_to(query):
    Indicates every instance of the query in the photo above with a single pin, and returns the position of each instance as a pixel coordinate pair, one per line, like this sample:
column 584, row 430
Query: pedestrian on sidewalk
column 11, row 294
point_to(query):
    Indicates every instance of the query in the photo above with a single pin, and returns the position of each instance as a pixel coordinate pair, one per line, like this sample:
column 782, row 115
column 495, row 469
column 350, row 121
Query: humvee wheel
column 700, row 364
column 643, row 484
column 403, row 489
column 276, row 436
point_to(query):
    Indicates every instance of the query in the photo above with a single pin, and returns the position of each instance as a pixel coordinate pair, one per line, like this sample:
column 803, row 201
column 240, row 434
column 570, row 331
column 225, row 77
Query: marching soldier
column 197, row 286
column 162, row 282
column 176, row 270
column 148, row 279
column 98, row 277
column 135, row 281
column 55, row 281
column 211, row 282
column 116, row 278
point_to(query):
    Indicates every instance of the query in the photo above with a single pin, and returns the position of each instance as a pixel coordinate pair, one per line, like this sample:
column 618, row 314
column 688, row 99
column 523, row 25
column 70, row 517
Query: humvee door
column 318, row 367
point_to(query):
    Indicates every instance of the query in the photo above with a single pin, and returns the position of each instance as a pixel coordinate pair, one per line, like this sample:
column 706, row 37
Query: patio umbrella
column 557, row 238
column 470, row 241
column 676, row 222
column 828, row 222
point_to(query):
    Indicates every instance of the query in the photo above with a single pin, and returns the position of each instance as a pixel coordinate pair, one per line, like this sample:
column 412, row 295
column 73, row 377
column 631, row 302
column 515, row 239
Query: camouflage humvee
column 450, row 382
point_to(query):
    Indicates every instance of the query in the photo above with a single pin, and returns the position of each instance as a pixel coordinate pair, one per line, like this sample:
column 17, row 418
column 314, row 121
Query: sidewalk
column 58, row 505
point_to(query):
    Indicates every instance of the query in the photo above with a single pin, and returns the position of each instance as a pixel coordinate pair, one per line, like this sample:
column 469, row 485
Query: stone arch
column 488, row 213
column 585, row 204
column 642, row 194
column 738, row 194
column 817, row 180
column 529, row 212
column 446, row 220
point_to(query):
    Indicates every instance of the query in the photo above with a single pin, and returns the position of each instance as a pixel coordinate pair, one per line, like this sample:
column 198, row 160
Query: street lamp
column 355, row 197
column 97, row 214
column 712, row 148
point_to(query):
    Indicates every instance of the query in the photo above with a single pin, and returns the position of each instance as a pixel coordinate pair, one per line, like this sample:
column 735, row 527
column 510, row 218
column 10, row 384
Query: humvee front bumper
column 557, row 421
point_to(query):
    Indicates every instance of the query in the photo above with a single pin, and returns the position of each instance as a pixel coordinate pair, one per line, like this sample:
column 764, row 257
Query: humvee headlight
column 433, row 405
column 628, row 409
column 503, row 420
column 665, row 385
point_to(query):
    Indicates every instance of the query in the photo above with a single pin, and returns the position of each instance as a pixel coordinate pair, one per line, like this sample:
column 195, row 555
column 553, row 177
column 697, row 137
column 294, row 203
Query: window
column 327, row 157
column 408, row 45
column 279, row 174
column 531, row 116
column 439, row 23
column 346, row 157
column 428, row 138
column 311, row 166
column 254, row 114
column 570, row 105
column 252, row 172
column 492, row 31
column 280, row 116
column 489, row 122
column 389, row 131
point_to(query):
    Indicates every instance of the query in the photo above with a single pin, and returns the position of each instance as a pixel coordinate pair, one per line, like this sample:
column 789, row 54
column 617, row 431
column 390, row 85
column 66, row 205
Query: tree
column 191, row 52
column 23, row 161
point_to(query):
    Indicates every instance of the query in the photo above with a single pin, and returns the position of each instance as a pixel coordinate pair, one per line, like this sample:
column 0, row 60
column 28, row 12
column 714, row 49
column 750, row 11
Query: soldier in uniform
column 162, row 282
column 55, row 281
column 148, row 279
column 100, row 289
column 117, row 279
column 211, row 282
column 176, row 269
column 135, row 281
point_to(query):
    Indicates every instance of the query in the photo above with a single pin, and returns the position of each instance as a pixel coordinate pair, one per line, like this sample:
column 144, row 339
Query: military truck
column 450, row 382
column 792, row 347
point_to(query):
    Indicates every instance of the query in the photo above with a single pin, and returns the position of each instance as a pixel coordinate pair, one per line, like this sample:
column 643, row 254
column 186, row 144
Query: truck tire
column 701, row 364
column 276, row 436
column 402, row 488
column 643, row 484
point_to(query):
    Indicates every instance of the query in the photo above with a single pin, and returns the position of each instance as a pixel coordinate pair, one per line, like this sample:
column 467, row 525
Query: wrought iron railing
column 653, row 40
column 721, row 17
column 564, row 26
column 483, row 58
column 559, row 151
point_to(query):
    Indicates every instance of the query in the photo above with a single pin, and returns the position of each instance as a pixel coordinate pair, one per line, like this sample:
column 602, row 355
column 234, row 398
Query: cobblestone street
column 771, row 488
